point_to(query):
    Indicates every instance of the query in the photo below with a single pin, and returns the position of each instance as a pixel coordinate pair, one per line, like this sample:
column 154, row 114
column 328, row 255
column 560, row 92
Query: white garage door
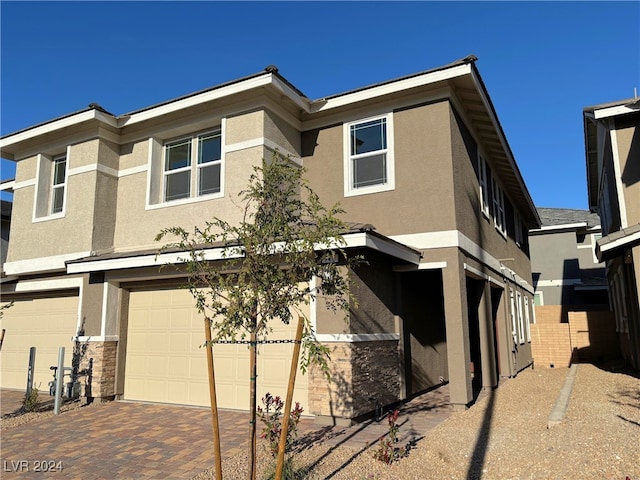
column 165, row 361
column 44, row 323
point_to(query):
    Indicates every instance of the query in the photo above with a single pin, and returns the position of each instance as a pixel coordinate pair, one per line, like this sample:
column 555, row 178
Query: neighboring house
column 565, row 268
column 573, row 321
column 446, row 294
column 612, row 144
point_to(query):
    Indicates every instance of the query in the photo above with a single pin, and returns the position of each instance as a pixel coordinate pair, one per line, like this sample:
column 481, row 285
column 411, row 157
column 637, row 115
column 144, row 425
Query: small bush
column 271, row 416
column 387, row 451
column 30, row 402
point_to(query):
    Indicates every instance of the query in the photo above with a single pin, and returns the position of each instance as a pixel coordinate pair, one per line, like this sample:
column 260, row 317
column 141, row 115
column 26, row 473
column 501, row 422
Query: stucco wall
column 421, row 200
column 628, row 138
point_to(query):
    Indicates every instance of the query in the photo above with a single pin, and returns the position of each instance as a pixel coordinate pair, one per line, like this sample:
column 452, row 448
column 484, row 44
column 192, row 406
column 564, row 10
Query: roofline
column 256, row 80
column 426, row 77
column 503, row 139
column 366, row 239
column 59, row 123
column 269, row 76
column 612, row 109
column 602, row 251
column 263, row 79
column 563, row 226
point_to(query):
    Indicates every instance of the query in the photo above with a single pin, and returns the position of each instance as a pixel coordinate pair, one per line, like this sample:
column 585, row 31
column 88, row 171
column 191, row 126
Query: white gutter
column 389, row 88
column 57, row 125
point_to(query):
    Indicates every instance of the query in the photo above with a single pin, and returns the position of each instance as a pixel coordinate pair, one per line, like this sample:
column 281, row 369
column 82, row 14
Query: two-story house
column 445, row 296
column 612, row 144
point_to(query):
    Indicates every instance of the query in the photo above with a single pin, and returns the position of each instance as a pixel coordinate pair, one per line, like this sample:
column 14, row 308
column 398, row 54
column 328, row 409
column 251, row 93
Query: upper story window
column 519, row 229
column 192, row 167
column 369, row 165
column 51, row 186
column 482, row 179
column 59, row 183
column 499, row 216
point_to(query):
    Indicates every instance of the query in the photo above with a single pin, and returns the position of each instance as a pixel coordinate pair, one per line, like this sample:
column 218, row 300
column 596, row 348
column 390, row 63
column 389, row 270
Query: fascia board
column 41, row 265
column 393, row 249
column 351, row 240
column 613, row 111
column 249, row 84
column 618, row 243
column 57, row 125
column 291, row 94
column 145, row 261
column 7, row 186
column 389, row 88
column 565, row 226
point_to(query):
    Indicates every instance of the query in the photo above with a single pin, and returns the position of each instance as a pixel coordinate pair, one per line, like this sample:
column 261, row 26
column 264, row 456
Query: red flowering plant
column 271, row 416
column 387, row 451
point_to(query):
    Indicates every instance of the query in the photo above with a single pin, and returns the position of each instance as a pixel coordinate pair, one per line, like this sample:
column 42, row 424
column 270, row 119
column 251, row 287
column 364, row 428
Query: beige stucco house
column 446, row 294
column 612, row 144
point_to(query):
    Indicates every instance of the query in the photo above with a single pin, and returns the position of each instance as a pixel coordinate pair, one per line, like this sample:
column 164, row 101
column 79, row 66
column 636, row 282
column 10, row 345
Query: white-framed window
column 538, row 299
column 519, row 228
column 514, row 328
column 527, row 319
column 369, row 163
column 520, row 318
column 58, row 183
column 482, row 180
column 499, row 217
column 51, row 186
column 192, row 167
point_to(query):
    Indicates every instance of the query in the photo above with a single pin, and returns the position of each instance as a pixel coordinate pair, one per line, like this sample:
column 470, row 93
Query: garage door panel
column 44, row 323
column 178, row 341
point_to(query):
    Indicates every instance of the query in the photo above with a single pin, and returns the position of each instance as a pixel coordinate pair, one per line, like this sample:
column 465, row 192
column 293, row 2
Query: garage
column 46, row 323
column 165, row 361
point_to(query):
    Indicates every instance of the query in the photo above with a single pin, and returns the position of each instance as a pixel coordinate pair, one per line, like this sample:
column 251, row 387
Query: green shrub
column 31, row 401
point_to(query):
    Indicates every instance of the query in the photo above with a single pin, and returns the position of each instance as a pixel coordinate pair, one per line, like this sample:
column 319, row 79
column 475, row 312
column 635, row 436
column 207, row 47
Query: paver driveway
column 126, row 440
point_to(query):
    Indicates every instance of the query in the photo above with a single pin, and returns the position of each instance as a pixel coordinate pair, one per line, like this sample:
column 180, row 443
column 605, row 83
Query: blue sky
column 542, row 62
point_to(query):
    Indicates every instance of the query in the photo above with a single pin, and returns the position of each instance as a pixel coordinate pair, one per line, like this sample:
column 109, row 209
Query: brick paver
column 126, row 440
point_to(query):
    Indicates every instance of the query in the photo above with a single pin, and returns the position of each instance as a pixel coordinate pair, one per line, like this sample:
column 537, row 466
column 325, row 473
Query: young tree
column 286, row 238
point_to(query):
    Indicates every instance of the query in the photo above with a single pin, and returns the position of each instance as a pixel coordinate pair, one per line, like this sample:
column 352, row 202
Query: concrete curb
column 560, row 408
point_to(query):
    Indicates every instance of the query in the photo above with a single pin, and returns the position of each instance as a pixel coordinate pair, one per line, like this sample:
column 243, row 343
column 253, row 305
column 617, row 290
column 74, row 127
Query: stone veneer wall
column 362, row 373
column 101, row 384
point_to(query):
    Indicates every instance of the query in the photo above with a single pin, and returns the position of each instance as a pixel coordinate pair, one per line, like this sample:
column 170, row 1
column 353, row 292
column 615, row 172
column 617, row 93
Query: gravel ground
column 44, row 411
column 505, row 436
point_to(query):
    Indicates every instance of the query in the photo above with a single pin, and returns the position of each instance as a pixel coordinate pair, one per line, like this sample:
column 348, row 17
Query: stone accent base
column 362, row 374
column 98, row 359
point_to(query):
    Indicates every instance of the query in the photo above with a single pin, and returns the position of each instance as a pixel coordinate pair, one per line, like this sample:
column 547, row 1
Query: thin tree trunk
column 252, row 406
column 282, row 446
column 214, row 400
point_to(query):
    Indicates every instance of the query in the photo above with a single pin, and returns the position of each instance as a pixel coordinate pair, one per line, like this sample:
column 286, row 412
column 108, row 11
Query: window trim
column 156, row 177
column 349, row 190
column 514, row 332
column 58, row 186
column 520, row 318
column 519, row 228
column 499, row 216
column 527, row 319
column 540, row 295
column 484, row 185
column 44, row 188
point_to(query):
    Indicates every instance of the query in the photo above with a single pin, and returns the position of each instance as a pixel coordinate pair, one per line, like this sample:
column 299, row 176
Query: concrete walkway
column 126, row 440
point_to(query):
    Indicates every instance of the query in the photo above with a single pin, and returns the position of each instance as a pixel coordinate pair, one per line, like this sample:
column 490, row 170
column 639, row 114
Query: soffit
column 478, row 109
